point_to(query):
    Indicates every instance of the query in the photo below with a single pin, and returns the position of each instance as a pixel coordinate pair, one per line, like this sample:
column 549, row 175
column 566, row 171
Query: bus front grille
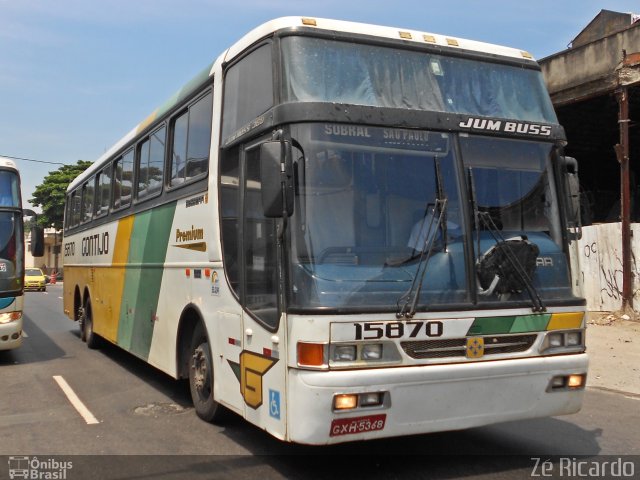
column 457, row 347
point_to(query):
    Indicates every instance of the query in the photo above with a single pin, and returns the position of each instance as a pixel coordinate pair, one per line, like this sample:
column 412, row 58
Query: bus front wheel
column 201, row 382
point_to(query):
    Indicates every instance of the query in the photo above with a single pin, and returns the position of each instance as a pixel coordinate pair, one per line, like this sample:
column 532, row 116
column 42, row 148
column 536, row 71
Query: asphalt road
column 139, row 423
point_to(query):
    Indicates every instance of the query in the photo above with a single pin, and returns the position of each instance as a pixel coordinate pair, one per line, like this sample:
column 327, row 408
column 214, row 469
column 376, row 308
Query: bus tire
column 201, row 381
column 80, row 317
column 93, row 341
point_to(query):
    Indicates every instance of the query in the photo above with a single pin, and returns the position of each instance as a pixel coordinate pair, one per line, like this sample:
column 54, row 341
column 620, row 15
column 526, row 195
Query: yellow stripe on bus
column 110, row 283
column 563, row 321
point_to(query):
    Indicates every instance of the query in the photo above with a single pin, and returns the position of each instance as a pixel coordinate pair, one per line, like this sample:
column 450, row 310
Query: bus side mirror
column 37, row 241
column 276, row 176
column 572, row 186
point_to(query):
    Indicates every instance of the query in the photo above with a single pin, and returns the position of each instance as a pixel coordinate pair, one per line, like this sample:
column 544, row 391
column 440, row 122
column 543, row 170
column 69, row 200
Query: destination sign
column 383, row 137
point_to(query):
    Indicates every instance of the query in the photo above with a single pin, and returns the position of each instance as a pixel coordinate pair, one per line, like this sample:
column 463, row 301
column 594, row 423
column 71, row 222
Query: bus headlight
column 10, row 317
column 555, row 340
column 354, row 355
column 352, row 352
column 372, row 351
column 344, row 353
column 572, row 340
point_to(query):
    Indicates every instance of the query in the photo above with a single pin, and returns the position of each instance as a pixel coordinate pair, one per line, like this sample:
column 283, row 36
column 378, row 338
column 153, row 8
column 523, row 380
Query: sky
column 77, row 75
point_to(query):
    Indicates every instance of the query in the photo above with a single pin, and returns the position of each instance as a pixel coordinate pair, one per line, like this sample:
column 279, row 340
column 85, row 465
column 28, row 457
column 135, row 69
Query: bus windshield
column 9, row 189
column 11, row 254
column 365, row 199
column 319, row 70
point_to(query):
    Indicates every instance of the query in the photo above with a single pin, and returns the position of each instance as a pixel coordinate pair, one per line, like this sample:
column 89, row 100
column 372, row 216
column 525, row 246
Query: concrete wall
column 588, row 70
column 600, row 266
column 604, row 24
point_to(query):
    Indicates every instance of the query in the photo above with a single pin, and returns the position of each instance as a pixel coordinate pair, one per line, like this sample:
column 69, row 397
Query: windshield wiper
column 408, row 302
column 501, row 267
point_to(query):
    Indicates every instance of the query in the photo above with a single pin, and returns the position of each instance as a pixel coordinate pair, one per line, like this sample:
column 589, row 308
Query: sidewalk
column 613, row 346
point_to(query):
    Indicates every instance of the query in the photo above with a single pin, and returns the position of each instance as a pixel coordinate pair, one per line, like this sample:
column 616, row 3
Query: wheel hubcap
column 200, row 372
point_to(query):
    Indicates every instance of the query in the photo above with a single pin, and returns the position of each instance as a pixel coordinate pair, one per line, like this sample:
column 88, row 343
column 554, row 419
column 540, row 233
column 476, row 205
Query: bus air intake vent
column 456, row 347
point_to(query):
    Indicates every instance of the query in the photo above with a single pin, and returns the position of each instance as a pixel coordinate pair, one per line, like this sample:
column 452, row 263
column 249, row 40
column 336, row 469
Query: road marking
column 60, row 298
column 75, row 401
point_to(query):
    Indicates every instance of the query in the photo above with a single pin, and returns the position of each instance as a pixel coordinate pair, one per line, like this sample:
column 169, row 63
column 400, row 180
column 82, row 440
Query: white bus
column 12, row 254
column 341, row 232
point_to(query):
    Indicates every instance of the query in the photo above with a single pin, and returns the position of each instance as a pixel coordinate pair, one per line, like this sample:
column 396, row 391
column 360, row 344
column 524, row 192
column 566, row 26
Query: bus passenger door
column 263, row 366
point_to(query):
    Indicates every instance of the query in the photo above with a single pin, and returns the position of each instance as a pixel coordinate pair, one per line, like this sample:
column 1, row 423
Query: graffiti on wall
column 600, row 264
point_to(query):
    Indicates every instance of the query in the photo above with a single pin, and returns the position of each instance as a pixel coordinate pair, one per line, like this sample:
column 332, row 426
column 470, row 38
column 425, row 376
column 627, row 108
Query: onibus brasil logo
column 33, row 468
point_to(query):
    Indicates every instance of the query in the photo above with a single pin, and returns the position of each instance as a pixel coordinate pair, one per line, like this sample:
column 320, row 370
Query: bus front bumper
column 430, row 398
column 11, row 335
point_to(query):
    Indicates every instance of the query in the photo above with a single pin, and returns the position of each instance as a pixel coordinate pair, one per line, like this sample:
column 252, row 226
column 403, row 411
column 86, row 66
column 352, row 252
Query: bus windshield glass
column 319, row 70
column 365, row 209
column 11, row 254
column 363, row 195
column 9, row 189
column 514, row 198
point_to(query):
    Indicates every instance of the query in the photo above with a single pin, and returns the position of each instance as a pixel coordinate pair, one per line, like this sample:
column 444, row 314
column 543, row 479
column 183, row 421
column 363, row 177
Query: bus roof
column 266, row 29
column 373, row 30
column 7, row 163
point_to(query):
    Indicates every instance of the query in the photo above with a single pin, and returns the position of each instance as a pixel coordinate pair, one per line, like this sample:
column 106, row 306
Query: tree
column 50, row 194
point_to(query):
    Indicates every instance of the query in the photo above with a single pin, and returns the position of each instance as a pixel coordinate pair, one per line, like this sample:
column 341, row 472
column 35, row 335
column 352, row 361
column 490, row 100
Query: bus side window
column 191, row 142
column 229, row 208
column 123, row 176
column 75, row 208
column 248, row 90
column 103, row 189
column 87, row 200
column 150, row 164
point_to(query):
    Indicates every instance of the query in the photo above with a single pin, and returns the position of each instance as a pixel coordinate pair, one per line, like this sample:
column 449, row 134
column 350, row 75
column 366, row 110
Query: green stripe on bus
column 491, row 325
column 509, row 324
column 143, row 278
column 184, row 92
column 530, row 323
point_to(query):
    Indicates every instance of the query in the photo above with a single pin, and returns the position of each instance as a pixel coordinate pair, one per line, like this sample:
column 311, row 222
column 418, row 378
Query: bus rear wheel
column 93, row 341
column 201, row 382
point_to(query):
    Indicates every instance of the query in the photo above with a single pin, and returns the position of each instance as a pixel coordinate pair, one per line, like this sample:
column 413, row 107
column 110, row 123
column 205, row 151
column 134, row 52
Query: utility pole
column 622, row 152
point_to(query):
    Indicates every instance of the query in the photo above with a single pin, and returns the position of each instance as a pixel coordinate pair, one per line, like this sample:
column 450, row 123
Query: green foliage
column 50, row 194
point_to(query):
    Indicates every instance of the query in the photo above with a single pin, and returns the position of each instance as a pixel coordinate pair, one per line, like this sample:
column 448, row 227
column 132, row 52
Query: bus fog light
column 371, row 399
column 344, row 353
column 345, row 401
column 557, row 382
column 372, row 351
column 575, row 381
column 574, row 339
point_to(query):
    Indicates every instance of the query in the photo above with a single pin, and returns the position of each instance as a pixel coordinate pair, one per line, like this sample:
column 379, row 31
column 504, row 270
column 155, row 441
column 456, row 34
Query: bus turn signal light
column 311, row 354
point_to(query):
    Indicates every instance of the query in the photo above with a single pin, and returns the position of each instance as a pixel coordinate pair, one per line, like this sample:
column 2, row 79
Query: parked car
column 34, row 279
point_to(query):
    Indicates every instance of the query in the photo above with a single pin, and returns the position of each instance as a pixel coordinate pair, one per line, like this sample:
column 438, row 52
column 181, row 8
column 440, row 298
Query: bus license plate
column 349, row 426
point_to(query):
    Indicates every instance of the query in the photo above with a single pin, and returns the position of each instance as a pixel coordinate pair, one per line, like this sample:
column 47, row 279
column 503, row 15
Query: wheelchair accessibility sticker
column 274, row 404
